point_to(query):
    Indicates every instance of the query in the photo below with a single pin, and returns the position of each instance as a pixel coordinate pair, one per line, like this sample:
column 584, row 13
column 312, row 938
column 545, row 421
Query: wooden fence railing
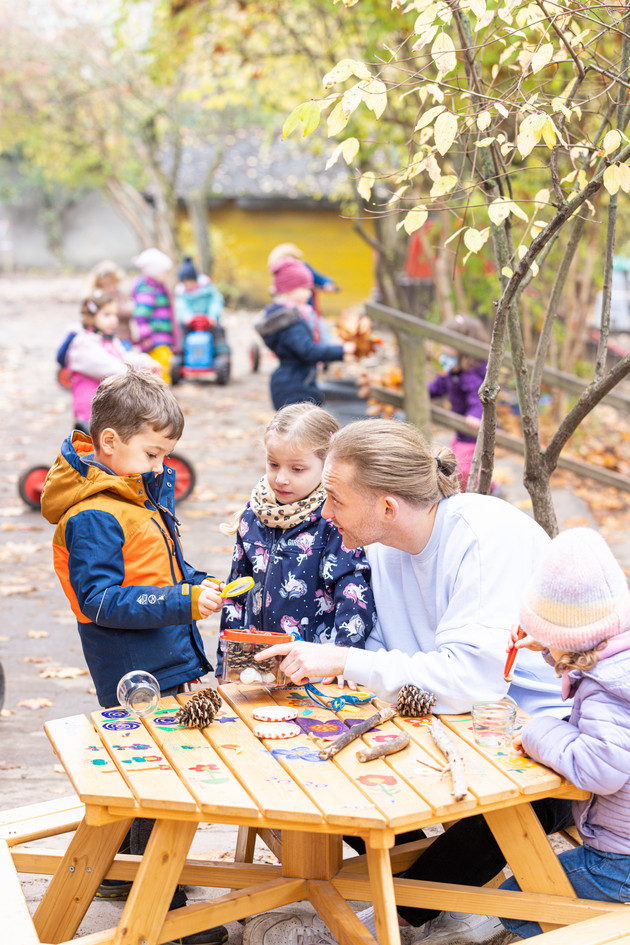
column 411, row 332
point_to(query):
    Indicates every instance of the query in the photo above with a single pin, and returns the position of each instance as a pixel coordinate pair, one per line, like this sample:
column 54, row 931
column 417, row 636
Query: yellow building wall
column 242, row 240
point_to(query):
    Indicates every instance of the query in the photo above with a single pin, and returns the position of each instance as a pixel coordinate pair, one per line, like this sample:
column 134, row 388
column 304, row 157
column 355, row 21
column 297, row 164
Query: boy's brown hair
column 129, row 402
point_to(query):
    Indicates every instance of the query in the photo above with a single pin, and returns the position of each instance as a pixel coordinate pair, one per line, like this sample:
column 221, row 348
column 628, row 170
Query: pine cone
column 414, row 702
column 200, row 710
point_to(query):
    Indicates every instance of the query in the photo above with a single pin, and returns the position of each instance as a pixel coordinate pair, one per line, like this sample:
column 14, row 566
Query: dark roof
column 258, row 167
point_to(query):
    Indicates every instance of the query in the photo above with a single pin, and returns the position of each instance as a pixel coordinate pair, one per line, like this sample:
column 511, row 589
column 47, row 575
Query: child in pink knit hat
column 577, row 609
column 285, row 329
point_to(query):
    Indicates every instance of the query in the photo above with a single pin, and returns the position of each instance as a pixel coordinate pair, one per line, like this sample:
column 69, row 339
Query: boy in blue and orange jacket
column 117, row 553
column 116, row 547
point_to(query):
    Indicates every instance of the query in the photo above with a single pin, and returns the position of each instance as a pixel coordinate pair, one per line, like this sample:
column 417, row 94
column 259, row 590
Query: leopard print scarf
column 265, row 506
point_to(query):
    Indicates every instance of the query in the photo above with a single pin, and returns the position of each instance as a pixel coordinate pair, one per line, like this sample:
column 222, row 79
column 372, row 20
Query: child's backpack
column 62, row 351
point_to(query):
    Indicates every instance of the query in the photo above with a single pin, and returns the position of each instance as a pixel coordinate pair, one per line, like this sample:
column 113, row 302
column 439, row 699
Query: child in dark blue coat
column 306, row 580
column 285, row 329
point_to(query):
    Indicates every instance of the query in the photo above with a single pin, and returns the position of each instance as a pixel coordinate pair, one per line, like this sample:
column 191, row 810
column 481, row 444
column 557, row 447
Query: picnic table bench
column 122, row 768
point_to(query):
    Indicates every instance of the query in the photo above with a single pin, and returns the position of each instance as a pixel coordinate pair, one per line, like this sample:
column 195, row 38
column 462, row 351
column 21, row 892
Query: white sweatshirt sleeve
column 445, row 614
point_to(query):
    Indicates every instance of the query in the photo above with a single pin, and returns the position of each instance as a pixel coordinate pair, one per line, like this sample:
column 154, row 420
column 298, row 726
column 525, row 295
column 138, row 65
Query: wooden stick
column 455, row 760
column 384, row 748
column 356, row 731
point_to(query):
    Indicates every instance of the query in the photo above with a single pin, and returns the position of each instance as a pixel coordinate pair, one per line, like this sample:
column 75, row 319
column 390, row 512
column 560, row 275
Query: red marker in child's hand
column 509, row 663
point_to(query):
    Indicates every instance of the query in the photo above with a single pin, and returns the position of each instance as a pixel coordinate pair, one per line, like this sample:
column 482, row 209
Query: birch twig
column 359, row 729
column 453, row 757
column 384, row 748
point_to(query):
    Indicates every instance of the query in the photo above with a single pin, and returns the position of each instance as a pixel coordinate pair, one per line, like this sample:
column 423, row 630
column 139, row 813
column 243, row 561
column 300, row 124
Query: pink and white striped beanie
column 578, row 595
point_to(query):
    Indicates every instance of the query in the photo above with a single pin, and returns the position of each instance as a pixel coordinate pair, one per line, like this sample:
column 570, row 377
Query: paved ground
column 39, row 647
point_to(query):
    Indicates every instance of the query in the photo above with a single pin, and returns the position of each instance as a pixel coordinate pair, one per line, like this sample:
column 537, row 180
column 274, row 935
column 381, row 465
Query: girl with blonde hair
column 306, row 580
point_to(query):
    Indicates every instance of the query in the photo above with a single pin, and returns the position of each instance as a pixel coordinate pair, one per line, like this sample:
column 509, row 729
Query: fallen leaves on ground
column 62, row 672
column 37, row 702
column 38, row 634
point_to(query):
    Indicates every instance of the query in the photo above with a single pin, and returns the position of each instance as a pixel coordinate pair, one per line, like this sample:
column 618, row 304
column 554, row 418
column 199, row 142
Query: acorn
column 200, row 710
column 414, row 702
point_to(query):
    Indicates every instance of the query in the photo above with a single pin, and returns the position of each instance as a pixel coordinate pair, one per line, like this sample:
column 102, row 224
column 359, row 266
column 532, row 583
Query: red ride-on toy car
column 31, row 483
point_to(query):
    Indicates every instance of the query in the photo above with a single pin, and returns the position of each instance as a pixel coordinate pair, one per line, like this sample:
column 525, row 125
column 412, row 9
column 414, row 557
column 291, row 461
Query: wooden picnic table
column 122, row 768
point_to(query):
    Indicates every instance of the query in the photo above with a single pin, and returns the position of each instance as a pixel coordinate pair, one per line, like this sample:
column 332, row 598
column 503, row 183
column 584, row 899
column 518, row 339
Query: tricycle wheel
column 185, row 477
column 254, row 357
column 31, row 485
column 223, row 374
column 63, row 378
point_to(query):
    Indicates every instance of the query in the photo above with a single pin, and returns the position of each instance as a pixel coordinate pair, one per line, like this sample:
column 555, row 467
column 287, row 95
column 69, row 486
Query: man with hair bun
column 448, row 572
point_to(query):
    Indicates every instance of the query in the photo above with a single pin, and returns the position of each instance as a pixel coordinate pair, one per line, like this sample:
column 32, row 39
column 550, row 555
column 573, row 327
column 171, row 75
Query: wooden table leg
column 382, row 886
column 155, row 883
column 528, row 852
column 340, row 918
column 310, row 855
column 72, row 888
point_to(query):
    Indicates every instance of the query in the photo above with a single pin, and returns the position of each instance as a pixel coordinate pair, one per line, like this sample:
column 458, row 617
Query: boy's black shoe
column 113, row 889
column 210, row 937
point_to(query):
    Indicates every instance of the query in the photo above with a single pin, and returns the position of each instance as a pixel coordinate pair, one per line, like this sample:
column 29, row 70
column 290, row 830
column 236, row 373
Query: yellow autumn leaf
column 374, row 94
column 612, row 179
column 624, row 178
column 350, row 100
column 427, row 117
column 542, row 57
column 499, row 210
column 507, row 272
column 415, row 219
column 425, row 38
column 310, row 117
column 542, row 198
column 474, row 239
column 366, row 182
column 443, row 186
column 478, row 7
column 611, row 141
column 549, row 134
column 445, row 131
column 337, row 121
column 343, row 70
column 483, row 120
column 443, row 54
column 292, row 121
column 350, row 149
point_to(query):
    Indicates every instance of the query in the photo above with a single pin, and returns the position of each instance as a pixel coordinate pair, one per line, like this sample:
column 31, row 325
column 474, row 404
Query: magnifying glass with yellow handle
column 240, row 586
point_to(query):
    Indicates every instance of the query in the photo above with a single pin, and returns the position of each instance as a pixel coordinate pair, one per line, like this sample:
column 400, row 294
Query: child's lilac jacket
column 592, row 750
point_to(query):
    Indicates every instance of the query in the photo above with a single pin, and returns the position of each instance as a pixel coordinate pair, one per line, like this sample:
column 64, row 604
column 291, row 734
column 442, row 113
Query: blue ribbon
column 337, row 702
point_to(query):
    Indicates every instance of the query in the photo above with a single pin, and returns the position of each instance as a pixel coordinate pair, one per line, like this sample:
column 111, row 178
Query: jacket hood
column 71, row 480
column 274, row 318
column 611, row 674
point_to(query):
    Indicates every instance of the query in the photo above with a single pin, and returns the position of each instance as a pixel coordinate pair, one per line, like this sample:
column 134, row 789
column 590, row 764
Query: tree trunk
column 197, row 211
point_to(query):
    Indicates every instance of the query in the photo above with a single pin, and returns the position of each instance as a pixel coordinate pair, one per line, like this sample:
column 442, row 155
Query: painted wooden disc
column 278, row 713
column 275, row 730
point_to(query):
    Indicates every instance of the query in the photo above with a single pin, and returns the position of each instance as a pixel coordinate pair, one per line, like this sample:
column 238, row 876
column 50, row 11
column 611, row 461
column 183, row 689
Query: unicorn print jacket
column 305, row 581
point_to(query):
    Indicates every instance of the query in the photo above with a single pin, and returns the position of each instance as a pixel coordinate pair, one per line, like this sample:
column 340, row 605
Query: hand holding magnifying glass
column 240, row 586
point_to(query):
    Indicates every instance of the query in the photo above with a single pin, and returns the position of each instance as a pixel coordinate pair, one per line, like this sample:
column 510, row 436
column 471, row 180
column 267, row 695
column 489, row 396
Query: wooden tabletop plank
column 336, row 795
column 412, row 766
column 93, row 774
column 141, row 762
column 529, row 776
column 277, row 796
column 484, row 781
column 198, row 765
column 387, row 785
